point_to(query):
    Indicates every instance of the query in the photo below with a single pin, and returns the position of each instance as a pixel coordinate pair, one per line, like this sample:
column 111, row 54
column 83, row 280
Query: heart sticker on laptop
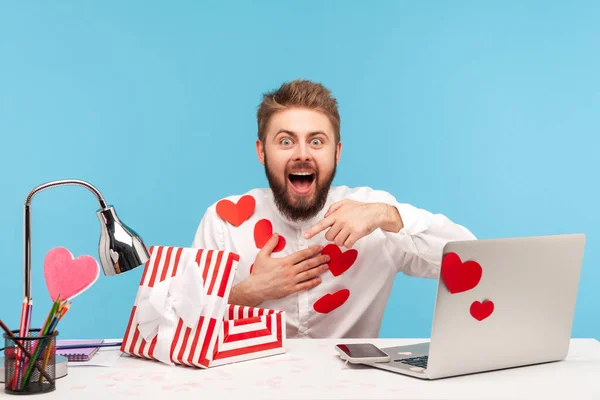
column 481, row 311
column 460, row 276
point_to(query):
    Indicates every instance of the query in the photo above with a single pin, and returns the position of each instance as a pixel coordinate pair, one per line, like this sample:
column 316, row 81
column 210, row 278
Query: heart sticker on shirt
column 236, row 213
column 263, row 230
column 339, row 262
column 330, row 302
column 481, row 311
column 460, row 276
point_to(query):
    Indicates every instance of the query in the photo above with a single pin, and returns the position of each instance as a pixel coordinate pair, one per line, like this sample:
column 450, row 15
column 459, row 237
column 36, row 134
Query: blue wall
column 486, row 112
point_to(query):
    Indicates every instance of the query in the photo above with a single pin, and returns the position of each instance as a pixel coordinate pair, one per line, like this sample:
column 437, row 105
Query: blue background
column 484, row 111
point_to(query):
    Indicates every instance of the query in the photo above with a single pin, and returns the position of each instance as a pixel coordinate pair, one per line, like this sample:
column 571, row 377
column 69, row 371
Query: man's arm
column 416, row 248
column 413, row 238
column 242, row 294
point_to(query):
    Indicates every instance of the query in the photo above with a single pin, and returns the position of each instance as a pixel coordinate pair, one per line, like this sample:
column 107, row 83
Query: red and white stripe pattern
column 242, row 333
column 190, row 346
column 249, row 333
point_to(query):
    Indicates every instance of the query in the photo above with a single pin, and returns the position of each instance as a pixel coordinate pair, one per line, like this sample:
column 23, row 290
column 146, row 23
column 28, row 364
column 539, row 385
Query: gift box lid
column 186, row 284
column 218, row 267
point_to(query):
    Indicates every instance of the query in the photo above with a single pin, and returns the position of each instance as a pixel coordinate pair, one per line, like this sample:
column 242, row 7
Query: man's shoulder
column 361, row 193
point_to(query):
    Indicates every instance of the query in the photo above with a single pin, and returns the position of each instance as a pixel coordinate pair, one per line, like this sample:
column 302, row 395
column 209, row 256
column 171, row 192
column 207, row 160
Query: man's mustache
column 303, row 165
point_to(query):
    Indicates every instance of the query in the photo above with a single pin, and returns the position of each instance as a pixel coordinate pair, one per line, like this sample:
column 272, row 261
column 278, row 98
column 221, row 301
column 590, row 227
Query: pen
column 86, row 346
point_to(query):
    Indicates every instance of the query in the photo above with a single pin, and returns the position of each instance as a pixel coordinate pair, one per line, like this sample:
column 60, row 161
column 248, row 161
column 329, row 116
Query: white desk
column 311, row 369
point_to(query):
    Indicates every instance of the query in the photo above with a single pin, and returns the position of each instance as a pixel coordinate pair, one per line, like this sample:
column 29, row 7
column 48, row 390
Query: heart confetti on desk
column 460, row 276
column 68, row 276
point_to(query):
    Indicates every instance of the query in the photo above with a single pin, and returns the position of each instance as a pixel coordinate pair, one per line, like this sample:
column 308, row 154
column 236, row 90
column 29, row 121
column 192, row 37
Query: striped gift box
column 223, row 334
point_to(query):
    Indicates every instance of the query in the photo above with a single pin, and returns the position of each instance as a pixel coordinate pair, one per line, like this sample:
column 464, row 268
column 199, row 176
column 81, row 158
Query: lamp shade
column 120, row 248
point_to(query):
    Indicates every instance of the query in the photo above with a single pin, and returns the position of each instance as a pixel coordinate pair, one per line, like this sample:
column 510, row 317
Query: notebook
column 77, row 355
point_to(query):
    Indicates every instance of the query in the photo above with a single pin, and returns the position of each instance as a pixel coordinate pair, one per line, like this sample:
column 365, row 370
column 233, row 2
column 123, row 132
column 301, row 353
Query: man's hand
column 350, row 220
column 274, row 278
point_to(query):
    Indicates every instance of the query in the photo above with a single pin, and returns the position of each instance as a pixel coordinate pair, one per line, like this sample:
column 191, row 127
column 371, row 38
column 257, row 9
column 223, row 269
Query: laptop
column 527, row 290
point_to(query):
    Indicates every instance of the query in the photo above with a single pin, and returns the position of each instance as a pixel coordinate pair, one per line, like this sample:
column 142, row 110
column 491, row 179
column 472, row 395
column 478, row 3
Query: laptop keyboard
column 415, row 361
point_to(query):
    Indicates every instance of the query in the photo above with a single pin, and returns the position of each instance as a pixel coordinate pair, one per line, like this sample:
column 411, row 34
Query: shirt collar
column 305, row 224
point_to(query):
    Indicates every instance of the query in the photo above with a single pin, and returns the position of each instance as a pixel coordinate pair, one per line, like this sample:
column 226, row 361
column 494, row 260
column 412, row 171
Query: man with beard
column 325, row 255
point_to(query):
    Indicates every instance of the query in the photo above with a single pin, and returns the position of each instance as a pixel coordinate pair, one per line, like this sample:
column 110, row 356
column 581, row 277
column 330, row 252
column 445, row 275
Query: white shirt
column 415, row 251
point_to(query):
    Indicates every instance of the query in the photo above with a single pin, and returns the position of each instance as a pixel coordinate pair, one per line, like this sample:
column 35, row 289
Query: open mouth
column 301, row 181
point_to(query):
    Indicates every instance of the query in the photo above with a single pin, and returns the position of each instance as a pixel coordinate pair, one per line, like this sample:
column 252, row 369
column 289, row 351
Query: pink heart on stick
column 68, row 276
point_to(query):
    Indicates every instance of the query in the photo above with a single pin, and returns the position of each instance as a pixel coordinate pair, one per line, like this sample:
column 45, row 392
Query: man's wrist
column 391, row 220
column 243, row 295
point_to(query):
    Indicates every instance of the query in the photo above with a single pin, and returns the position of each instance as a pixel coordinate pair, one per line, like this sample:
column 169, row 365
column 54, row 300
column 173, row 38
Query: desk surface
column 312, row 369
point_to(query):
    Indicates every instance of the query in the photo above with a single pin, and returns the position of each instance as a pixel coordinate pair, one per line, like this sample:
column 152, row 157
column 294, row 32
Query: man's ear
column 260, row 151
column 338, row 153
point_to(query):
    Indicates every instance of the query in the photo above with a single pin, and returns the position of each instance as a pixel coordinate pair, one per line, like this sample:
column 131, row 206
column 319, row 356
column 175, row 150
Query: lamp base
column 61, row 367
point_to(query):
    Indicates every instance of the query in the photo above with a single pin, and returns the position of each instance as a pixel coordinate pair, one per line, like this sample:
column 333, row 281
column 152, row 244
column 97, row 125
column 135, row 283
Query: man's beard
column 304, row 208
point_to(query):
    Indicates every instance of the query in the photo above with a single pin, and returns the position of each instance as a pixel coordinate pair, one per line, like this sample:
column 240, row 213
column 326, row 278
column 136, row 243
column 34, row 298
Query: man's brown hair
column 298, row 93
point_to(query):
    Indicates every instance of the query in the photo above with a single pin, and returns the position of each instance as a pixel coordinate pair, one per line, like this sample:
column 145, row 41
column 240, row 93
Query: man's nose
column 302, row 152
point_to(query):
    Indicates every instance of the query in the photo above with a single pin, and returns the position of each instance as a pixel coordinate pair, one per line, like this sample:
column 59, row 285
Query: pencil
column 45, row 325
column 14, row 379
column 28, row 343
column 48, row 318
column 65, row 309
column 60, row 313
column 51, row 316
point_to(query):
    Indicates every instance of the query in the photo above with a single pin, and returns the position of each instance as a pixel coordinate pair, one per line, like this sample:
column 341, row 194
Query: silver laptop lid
column 532, row 283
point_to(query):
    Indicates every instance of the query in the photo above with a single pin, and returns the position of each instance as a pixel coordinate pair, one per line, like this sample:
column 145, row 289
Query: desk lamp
column 120, row 248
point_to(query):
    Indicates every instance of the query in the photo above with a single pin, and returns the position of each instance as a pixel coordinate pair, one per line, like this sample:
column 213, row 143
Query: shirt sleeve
column 417, row 249
column 209, row 234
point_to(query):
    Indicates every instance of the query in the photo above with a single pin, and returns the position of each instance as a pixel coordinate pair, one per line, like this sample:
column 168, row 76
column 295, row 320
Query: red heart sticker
column 459, row 276
column 339, row 262
column 330, row 302
column 263, row 230
column 236, row 213
column 481, row 311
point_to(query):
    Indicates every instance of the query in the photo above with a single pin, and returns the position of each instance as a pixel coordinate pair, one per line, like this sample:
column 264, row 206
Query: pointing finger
column 320, row 226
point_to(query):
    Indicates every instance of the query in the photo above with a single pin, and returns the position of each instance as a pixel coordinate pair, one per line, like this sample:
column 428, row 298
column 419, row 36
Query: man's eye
column 286, row 142
column 316, row 142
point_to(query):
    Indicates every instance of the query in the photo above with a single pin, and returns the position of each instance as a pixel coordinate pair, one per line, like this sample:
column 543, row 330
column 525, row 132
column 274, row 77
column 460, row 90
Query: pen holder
column 21, row 376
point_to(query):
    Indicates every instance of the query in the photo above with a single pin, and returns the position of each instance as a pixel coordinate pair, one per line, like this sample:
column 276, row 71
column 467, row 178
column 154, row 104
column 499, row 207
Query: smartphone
column 361, row 353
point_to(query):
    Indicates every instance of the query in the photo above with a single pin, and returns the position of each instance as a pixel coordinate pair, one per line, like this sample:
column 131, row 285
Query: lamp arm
column 27, row 221
column 66, row 182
